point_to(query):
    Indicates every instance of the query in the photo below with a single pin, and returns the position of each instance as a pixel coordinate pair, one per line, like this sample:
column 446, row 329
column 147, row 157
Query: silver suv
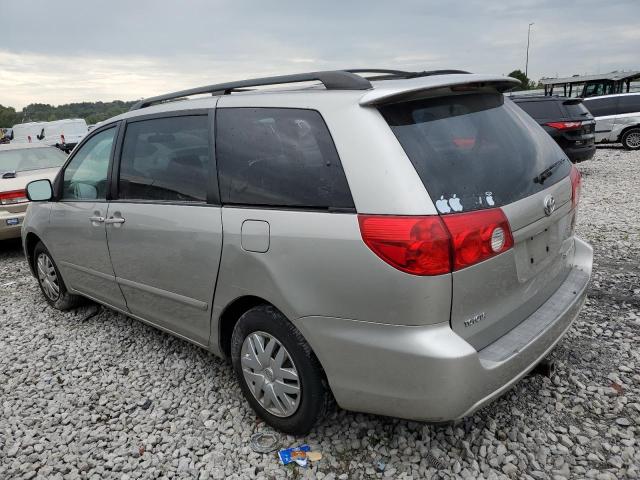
column 617, row 118
column 401, row 242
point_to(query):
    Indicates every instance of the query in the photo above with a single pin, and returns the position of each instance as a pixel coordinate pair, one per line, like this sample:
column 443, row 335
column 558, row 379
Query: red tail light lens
column 564, row 125
column 576, row 183
column 14, row 196
column 435, row 245
column 416, row 245
column 477, row 236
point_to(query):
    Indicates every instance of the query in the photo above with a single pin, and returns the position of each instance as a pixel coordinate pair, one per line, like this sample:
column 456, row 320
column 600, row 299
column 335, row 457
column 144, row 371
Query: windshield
column 24, row 159
column 475, row 151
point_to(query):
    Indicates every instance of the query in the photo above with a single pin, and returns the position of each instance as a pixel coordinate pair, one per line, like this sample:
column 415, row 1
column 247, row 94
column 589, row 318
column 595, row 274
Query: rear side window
column 475, row 151
column 629, row 104
column 166, row 159
column 542, row 110
column 575, row 109
column 278, row 157
column 600, row 107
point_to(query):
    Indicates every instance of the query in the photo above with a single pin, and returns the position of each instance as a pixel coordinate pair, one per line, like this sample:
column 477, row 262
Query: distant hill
column 92, row 112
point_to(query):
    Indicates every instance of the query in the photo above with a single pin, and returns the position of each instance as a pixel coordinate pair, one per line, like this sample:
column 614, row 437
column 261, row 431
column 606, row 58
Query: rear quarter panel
column 318, row 265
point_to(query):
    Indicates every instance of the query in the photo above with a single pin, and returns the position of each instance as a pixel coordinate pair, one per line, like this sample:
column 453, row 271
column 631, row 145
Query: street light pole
column 526, row 65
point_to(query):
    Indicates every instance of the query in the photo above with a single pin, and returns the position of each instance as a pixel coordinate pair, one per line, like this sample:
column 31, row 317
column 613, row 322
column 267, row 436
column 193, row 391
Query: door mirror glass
column 39, row 191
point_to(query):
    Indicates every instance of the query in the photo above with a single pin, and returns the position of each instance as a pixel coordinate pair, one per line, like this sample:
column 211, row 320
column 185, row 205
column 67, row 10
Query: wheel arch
column 230, row 316
column 626, row 129
column 232, row 313
column 30, row 242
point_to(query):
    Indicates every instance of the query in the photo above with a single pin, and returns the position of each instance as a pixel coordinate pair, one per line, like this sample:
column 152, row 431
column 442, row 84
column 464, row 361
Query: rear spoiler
column 397, row 90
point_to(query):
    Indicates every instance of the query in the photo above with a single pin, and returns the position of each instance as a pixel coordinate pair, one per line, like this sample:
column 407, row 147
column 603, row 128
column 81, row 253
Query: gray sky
column 70, row 51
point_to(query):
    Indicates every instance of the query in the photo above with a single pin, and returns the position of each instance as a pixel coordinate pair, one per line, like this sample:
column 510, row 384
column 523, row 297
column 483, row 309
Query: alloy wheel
column 633, row 139
column 270, row 374
column 48, row 277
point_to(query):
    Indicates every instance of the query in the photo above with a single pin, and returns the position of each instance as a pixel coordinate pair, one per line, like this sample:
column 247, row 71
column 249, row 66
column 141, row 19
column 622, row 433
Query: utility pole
column 526, row 65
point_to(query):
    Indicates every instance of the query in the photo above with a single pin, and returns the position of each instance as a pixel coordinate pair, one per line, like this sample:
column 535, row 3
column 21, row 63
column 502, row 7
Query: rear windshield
column 576, row 110
column 542, row 110
column 476, row 151
column 24, row 159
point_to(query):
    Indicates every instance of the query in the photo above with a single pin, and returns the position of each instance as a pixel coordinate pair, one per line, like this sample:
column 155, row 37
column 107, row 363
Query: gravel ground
column 93, row 394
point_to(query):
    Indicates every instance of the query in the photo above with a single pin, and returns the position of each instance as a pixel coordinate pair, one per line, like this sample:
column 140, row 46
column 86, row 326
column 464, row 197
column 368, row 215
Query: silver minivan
column 401, row 242
column 617, row 118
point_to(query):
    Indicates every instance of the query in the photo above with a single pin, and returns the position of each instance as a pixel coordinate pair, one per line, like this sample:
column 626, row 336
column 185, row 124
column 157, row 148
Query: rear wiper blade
column 547, row 172
column 9, row 174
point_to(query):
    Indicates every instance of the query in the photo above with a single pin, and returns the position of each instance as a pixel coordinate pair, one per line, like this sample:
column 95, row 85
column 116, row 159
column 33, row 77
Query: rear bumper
column 429, row 373
column 8, row 226
column 581, row 153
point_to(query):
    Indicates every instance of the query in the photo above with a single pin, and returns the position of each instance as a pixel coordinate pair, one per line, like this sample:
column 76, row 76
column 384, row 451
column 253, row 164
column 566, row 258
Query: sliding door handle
column 112, row 220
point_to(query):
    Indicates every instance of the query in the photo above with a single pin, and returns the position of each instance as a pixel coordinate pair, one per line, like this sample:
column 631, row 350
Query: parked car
column 64, row 134
column 20, row 164
column 617, row 118
column 567, row 121
column 405, row 245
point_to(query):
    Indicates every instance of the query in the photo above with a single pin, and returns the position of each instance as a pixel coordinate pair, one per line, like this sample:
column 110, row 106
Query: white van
column 27, row 132
column 64, row 134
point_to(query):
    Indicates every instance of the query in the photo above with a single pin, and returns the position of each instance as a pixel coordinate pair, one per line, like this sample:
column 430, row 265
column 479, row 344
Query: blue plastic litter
column 294, row 454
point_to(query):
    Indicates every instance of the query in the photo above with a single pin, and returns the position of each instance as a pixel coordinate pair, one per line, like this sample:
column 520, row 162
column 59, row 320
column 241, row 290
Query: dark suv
column 567, row 120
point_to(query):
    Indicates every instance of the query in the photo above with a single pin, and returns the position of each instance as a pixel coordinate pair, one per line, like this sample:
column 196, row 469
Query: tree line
column 92, row 112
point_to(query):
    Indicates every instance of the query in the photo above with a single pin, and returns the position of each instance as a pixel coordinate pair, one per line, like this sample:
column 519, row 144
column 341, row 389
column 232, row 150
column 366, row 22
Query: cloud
column 81, row 50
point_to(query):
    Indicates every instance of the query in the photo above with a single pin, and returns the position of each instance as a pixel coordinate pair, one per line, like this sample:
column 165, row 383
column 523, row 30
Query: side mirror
column 39, row 190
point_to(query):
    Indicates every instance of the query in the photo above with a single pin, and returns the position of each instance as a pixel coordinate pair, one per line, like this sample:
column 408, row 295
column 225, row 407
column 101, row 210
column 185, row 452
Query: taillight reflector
column 14, row 196
column 416, row 245
column 434, row 245
column 564, row 125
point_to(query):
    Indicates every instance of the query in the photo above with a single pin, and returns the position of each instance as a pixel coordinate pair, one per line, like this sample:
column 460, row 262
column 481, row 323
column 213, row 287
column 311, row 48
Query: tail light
column 416, row 245
column 564, row 125
column 576, row 183
column 14, row 196
column 477, row 236
column 435, row 245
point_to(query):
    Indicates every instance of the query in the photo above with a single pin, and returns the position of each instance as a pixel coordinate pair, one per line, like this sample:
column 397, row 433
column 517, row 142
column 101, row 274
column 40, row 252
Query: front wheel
column 631, row 139
column 53, row 288
column 278, row 372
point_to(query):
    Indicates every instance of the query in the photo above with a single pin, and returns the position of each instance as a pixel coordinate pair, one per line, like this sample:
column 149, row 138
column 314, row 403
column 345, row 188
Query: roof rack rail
column 332, row 80
column 391, row 74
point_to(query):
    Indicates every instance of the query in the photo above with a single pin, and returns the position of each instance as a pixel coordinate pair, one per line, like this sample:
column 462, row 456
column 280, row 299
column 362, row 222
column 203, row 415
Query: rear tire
column 631, row 139
column 50, row 281
column 264, row 344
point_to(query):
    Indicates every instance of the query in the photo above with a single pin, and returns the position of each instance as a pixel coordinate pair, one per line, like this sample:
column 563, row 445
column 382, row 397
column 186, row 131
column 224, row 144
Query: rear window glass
column 542, row 110
column 475, row 151
column 24, row 159
column 576, row 110
column 281, row 157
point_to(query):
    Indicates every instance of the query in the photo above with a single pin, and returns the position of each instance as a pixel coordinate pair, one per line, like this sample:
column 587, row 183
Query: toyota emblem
column 549, row 205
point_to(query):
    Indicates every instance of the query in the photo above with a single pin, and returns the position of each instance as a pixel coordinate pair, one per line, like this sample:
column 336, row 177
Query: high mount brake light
column 564, row 125
column 434, row 245
column 12, row 197
column 576, row 184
